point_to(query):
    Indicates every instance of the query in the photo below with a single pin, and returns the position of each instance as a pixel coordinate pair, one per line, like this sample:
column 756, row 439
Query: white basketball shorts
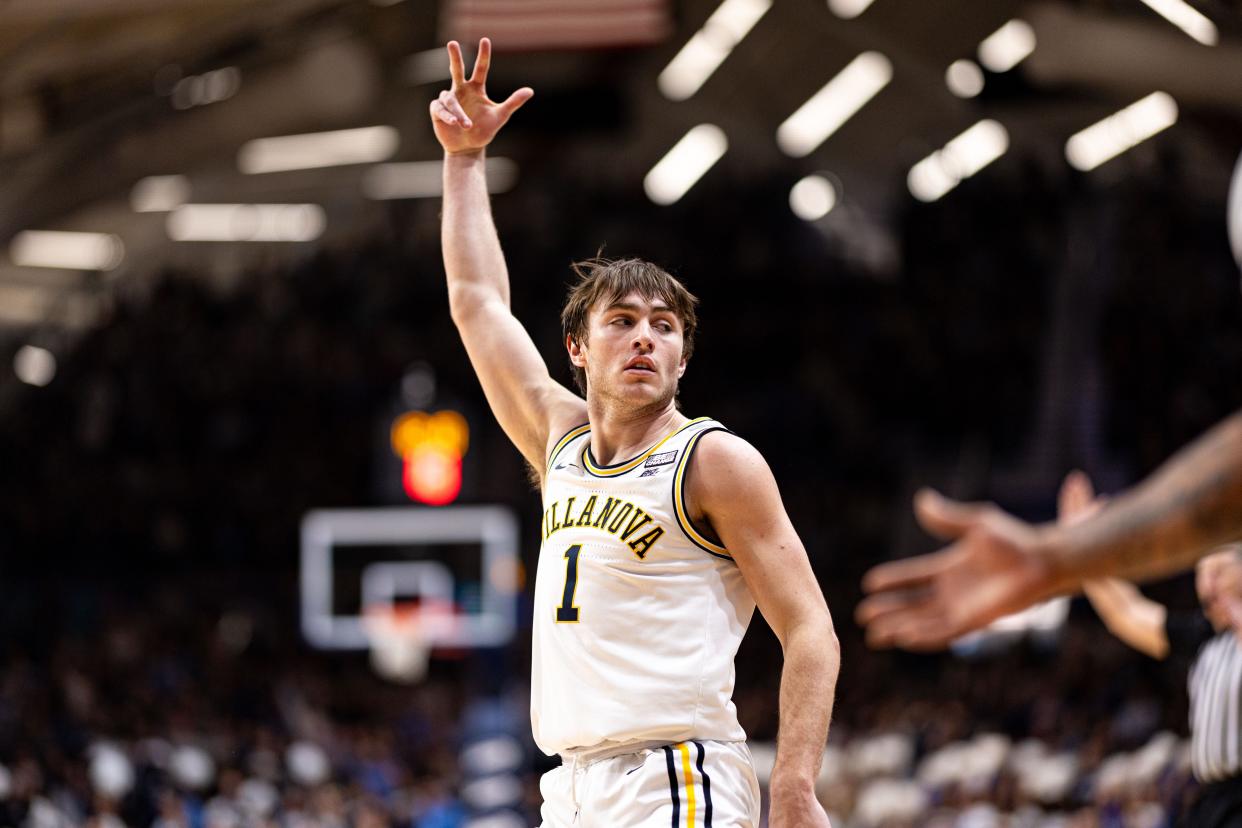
column 699, row 784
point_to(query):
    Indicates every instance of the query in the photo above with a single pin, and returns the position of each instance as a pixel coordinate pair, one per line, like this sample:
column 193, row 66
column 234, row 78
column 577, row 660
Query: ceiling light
column 1187, row 18
column 425, row 179
column 34, row 365
column 709, row 46
column 429, row 66
column 685, row 163
column 318, row 149
column 964, row 78
column 159, row 193
column 69, row 250
column 834, row 104
column 246, row 222
column 961, row 158
column 1119, row 132
column 849, row 9
column 1007, row 46
column 812, row 198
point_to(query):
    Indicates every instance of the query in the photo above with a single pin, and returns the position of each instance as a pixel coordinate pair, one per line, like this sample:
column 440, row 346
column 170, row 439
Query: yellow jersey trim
column 688, row 774
column 590, row 465
column 679, row 499
column 571, row 435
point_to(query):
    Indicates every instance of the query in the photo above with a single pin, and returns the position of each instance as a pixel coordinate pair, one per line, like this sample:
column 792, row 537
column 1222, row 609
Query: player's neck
column 618, row 435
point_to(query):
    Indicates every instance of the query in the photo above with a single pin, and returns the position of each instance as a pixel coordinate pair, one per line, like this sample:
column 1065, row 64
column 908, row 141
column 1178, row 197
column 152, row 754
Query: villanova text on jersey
column 617, row 517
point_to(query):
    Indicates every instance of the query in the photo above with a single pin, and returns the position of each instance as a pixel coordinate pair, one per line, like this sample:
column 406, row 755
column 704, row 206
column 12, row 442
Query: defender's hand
column 993, row 568
column 464, row 118
column 1076, row 500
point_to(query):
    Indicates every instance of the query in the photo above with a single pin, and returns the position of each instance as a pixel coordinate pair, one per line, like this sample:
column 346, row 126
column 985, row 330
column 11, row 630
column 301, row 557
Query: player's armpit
column 529, row 405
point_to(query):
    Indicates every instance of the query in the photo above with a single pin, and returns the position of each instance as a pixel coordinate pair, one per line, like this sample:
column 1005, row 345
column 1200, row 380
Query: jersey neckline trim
column 617, row 469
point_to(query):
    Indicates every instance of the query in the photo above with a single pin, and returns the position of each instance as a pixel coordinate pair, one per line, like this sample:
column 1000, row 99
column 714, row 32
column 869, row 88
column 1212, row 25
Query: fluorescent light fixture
column 208, row 88
column 964, row 78
column 685, row 163
column 1187, row 18
column 1234, row 212
column 34, row 365
column 1119, row 132
column 961, row 158
column 246, row 222
column 318, row 149
column 812, row 198
column 1008, row 46
column 68, row 250
column 709, row 46
column 849, row 9
column 159, row 193
column 425, row 179
column 834, row 104
column 430, row 66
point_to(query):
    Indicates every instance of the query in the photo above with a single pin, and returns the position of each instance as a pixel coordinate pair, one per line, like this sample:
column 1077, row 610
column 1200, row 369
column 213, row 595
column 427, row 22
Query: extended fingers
column 512, row 103
column 1075, row 497
column 457, row 68
column 908, row 574
column 483, row 62
column 911, row 620
column 947, row 519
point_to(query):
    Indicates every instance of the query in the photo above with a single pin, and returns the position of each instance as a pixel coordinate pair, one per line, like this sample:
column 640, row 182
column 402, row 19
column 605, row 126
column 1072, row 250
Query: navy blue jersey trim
column 591, row 457
column 672, row 786
column 557, row 448
column 681, row 493
column 707, row 788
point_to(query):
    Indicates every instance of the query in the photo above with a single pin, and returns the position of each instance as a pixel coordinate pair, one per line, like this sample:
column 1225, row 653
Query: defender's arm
column 731, row 488
column 998, row 564
column 1130, row 615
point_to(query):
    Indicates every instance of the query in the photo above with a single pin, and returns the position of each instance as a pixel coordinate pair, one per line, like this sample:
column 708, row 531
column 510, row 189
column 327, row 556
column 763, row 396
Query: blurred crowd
column 185, row 718
column 150, row 498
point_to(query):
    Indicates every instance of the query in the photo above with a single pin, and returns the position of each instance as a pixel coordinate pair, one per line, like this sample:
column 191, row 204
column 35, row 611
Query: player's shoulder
column 723, row 453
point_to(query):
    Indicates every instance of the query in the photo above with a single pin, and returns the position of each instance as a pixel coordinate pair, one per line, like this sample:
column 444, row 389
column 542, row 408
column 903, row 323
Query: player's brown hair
column 604, row 281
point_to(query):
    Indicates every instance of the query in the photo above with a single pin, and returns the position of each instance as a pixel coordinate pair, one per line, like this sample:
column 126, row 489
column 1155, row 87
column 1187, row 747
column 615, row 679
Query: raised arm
column 731, row 488
column 527, row 402
column 998, row 564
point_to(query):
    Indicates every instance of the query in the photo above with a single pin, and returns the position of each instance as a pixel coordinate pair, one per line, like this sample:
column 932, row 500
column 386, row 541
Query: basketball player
column 998, row 564
column 660, row 534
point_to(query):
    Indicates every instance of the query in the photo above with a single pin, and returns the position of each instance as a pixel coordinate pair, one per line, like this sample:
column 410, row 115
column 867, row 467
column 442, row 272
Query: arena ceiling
column 89, row 105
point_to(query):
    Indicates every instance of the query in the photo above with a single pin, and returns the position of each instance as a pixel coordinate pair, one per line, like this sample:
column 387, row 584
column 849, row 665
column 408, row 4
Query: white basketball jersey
column 637, row 616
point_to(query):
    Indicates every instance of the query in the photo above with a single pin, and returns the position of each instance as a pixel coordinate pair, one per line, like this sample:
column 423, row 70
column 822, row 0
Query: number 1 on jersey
column 567, row 613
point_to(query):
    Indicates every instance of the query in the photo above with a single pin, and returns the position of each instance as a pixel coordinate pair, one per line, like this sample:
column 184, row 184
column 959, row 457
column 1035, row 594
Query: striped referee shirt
column 1215, row 705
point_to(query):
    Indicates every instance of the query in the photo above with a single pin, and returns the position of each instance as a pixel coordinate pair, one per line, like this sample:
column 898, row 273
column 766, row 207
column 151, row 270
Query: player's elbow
column 816, row 630
column 467, row 303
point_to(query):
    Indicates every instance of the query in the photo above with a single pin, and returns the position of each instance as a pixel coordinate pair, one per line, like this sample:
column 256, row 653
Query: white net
column 402, row 636
column 399, row 650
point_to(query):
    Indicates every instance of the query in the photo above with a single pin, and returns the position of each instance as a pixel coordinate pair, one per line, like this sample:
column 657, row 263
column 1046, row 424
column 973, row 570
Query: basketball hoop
column 402, row 636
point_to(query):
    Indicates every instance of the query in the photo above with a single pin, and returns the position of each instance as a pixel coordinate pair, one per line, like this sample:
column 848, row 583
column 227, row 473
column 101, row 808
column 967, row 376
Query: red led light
column 432, row 475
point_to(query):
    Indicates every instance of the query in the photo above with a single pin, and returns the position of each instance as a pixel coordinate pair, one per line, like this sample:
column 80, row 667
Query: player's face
column 1218, row 578
column 633, row 351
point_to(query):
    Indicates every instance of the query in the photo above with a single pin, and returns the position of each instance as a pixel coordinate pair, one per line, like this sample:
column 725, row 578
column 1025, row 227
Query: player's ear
column 575, row 351
column 681, row 368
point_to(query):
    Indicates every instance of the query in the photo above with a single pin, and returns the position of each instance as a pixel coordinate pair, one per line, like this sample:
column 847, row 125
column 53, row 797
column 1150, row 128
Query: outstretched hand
column 992, row 568
column 464, row 118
